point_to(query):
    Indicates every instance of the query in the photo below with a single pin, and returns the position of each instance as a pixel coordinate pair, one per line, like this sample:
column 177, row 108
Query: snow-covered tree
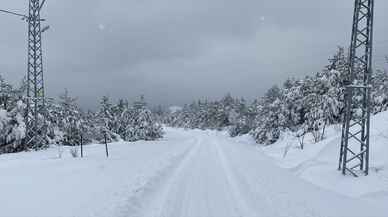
column 271, row 119
column 105, row 122
column 6, row 94
column 380, row 91
column 18, row 127
column 12, row 129
column 70, row 119
column 143, row 125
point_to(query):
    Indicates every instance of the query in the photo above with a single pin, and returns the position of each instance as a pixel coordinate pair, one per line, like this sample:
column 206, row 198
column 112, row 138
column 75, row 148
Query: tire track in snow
column 217, row 177
column 203, row 186
column 257, row 184
column 157, row 206
column 145, row 201
column 243, row 207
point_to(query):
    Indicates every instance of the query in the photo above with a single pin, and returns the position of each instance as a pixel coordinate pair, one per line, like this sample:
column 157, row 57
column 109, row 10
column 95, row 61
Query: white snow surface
column 174, row 109
column 187, row 174
column 318, row 162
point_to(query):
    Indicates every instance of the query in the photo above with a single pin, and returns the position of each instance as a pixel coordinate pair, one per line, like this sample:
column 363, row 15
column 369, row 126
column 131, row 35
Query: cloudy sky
column 176, row 50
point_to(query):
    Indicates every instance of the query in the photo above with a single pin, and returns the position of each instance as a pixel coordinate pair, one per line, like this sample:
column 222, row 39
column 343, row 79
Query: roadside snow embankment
column 41, row 184
column 318, row 162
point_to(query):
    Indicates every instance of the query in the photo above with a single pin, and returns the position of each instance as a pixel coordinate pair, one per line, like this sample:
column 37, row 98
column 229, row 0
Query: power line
column 41, row 5
column 14, row 13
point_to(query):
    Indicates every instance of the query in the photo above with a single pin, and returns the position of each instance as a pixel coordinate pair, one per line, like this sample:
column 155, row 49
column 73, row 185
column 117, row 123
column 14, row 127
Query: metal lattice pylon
column 354, row 153
column 35, row 126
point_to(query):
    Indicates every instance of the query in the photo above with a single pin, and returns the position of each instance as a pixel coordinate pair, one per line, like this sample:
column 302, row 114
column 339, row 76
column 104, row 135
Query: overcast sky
column 176, row 50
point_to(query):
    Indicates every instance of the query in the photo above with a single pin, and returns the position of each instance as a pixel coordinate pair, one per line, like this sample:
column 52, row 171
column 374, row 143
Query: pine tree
column 380, row 91
column 70, row 119
column 6, row 93
column 143, row 125
column 241, row 118
column 121, row 116
column 12, row 129
column 105, row 122
column 18, row 127
column 271, row 118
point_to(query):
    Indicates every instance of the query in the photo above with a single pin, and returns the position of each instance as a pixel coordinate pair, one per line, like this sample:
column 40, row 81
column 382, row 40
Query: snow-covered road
column 221, row 178
column 187, row 174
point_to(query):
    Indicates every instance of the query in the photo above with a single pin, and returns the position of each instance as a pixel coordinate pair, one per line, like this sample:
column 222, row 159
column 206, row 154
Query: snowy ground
column 39, row 184
column 187, row 174
column 317, row 162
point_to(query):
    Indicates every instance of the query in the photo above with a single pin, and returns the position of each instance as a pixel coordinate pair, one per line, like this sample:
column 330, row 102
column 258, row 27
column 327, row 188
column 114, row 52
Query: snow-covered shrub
column 12, row 129
column 18, row 130
column 240, row 127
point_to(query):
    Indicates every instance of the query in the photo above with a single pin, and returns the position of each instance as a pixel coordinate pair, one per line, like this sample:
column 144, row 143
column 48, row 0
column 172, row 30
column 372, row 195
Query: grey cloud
column 176, row 50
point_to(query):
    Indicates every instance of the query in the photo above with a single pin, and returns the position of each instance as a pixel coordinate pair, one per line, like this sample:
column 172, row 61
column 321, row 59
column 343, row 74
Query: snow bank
column 318, row 162
column 41, row 184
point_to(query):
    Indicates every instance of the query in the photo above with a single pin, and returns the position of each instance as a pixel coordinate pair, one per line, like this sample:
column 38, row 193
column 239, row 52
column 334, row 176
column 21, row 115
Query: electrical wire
column 14, row 13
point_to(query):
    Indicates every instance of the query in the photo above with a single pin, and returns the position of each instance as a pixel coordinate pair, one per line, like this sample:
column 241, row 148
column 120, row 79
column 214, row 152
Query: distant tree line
column 66, row 124
column 301, row 106
column 229, row 112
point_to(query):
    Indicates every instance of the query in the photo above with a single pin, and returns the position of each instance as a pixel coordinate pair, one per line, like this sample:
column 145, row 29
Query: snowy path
column 186, row 174
column 220, row 178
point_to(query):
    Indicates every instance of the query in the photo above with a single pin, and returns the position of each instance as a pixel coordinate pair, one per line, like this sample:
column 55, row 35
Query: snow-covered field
column 195, row 174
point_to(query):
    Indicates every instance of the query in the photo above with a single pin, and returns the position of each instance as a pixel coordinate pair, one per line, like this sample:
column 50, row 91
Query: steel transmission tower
column 35, row 114
column 354, row 154
column 35, row 126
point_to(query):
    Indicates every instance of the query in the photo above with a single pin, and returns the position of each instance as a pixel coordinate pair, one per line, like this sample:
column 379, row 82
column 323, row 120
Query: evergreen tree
column 105, row 122
column 6, row 94
column 18, row 127
column 380, row 91
column 12, row 129
column 70, row 119
column 143, row 125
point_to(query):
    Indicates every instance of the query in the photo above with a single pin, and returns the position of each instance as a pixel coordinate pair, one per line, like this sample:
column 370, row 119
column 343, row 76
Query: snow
column 317, row 163
column 41, row 184
column 174, row 109
column 221, row 177
column 187, row 174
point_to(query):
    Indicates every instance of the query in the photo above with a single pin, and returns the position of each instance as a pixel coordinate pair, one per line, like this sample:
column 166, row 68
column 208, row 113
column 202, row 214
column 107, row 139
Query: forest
column 300, row 106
